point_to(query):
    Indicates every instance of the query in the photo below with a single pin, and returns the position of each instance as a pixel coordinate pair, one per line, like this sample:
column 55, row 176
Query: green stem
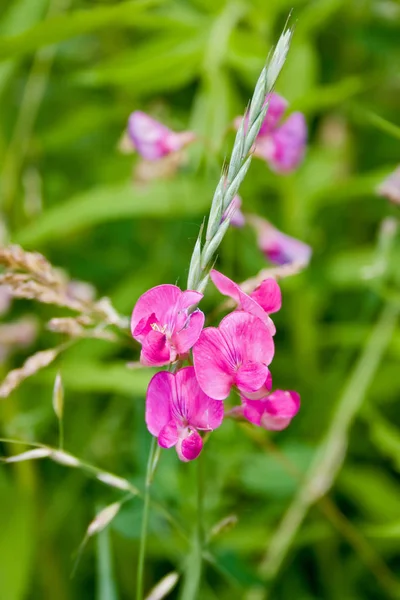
column 145, row 520
column 193, row 569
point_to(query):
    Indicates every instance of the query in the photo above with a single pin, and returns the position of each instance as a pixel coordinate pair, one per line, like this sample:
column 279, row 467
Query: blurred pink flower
column 16, row 335
column 152, row 139
column 279, row 248
column 5, row 299
column 176, row 409
column 390, row 187
column 234, row 212
column 265, row 299
column 273, row 412
column 282, row 145
column 162, row 324
column 237, row 353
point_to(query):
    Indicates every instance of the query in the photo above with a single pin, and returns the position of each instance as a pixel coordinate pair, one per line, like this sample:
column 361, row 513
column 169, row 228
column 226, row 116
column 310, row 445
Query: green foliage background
column 70, row 73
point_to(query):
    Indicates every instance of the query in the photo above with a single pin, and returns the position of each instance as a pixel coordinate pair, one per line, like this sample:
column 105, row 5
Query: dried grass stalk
column 31, row 366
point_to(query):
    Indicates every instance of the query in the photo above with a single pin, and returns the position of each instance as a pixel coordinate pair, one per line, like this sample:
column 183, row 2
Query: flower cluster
column 281, row 143
column 235, row 356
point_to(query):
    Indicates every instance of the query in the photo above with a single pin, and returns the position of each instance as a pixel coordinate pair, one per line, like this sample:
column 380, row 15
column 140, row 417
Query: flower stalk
column 145, row 519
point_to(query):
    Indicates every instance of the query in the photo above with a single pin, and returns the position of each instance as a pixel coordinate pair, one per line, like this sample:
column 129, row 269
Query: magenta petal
column 189, row 447
column 280, row 408
column 150, row 138
column 214, row 372
column 289, row 142
column 226, row 286
column 276, row 107
column 143, row 328
column 250, row 377
column 247, row 338
column 158, row 401
column 196, row 408
column 158, row 300
column 184, row 339
column 263, row 391
column 252, row 410
column 155, row 350
column 229, row 288
column 168, row 435
column 188, row 298
column 268, row 295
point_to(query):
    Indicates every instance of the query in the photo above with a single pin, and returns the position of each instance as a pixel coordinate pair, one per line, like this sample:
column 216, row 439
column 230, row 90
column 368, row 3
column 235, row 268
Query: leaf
column 103, row 377
column 161, row 199
column 144, row 72
column 21, row 14
column 17, row 542
column 300, row 72
column 57, row 29
column 264, row 475
column 106, row 585
column 372, row 490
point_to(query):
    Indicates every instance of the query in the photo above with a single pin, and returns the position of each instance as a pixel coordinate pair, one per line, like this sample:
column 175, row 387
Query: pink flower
column 234, row 354
column 284, row 148
column 279, row 248
column 265, row 299
column 282, row 145
column 273, row 412
column 390, row 187
column 152, row 139
column 233, row 211
column 176, row 409
column 162, row 324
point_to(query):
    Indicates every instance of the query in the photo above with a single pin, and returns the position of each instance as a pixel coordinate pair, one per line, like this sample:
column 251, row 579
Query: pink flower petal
column 279, row 248
column 152, row 139
column 219, row 353
column 185, row 338
column 234, row 213
column 274, row 412
column 168, row 435
column 159, row 401
column 200, row 411
column 189, row 447
column 390, row 187
column 156, row 352
column 227, row 287
column 263, row 391
column 143, row 327
column 268, row 295
column 213, row 370
column 289, row 142
column 276, row 107
column 158, row 300
column 250, row 377
column 247, row 339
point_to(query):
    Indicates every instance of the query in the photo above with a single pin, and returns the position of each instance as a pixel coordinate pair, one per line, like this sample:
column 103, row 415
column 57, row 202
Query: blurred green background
column 70, row 74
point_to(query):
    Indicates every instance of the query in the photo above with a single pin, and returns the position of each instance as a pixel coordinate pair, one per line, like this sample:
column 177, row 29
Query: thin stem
column 145, row 520
column 61, row 433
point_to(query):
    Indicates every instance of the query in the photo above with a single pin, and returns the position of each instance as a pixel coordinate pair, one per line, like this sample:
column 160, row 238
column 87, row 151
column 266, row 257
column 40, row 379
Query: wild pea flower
column 152, row 139
column 234, row 212
column 273, row 412
column 279, row 248
column 390, row 187
column 176, row 409
column 282, row 145
column 264, row 300
column 237, row 353
column 162, row 324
